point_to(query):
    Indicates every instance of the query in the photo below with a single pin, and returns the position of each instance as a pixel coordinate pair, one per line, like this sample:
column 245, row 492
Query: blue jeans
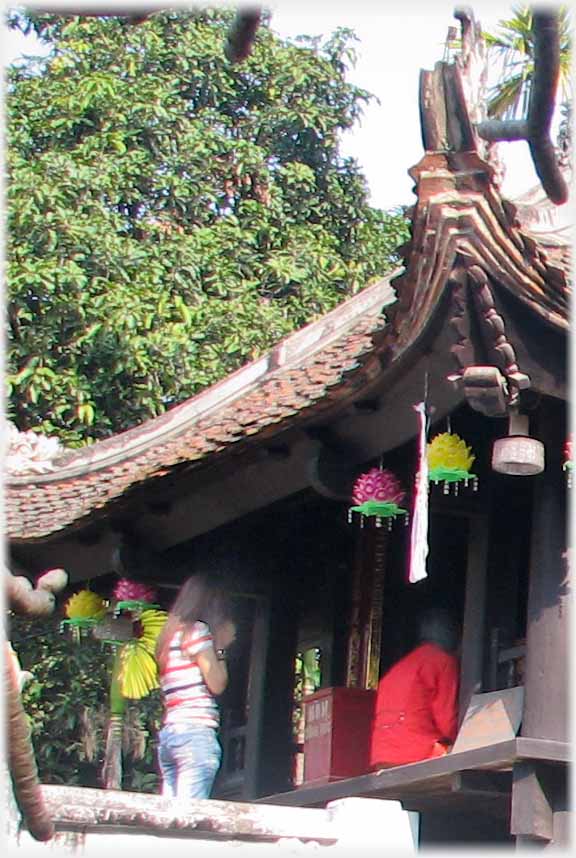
column 189, row 756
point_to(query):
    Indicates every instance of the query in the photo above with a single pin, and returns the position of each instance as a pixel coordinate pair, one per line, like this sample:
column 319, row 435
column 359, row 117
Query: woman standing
column 191, row 655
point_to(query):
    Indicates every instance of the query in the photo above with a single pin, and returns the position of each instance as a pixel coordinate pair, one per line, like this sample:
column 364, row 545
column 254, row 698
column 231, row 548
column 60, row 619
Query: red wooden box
column 337, row 725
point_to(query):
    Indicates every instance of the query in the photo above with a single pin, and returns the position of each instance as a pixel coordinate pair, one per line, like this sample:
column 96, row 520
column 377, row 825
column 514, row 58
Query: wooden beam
column 543, row 749
column 88, row 809
column 332, row 469
column 532, row 814
column 562, row 834
column 397, row 781
column 482, row 783
column 429, row 776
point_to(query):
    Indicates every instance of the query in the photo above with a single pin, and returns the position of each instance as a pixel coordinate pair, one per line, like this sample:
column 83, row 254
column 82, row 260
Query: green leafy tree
column 171, row 215
column 513, row 46
column 66, row 703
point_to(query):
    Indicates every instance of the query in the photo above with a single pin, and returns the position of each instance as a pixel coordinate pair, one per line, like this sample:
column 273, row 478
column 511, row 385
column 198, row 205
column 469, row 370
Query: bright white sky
column 396, row 41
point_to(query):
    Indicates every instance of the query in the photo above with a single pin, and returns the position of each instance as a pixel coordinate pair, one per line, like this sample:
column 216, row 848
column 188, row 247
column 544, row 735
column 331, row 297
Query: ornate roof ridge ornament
column 453, row 98
column 453, row 112
column 29, row 452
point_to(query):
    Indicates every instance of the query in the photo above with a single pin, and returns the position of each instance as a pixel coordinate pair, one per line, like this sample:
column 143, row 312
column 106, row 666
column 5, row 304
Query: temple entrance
column 444, row 587
column 241, row 703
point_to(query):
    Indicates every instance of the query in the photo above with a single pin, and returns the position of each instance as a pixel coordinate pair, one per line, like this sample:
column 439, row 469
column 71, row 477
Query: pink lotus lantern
column 133, row 595
column 378, row 493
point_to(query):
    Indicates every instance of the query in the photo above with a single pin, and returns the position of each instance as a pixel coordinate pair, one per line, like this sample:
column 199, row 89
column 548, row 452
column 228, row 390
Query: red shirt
column 416, row 706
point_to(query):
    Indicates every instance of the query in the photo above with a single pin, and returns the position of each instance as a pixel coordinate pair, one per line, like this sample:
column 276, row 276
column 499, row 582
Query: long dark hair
column 198, row 600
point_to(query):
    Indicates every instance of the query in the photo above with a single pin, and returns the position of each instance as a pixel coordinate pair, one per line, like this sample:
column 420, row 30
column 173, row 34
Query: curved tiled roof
column 297, row 375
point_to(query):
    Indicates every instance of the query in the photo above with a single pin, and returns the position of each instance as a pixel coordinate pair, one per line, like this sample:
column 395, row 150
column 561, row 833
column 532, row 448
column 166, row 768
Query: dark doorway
column 444, row 586
column 241, row 704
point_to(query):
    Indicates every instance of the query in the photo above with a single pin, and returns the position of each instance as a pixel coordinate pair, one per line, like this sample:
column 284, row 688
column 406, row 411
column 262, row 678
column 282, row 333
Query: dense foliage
column 67, row 705
column 170, row 215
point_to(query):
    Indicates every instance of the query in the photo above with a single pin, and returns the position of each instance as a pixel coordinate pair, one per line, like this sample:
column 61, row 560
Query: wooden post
column 539, row 810
column 255, row 698
column 547, row 649
column 276, row 664
column 536, row 796
column 474, row 609
column 359, row 608
column 365, row 628
column 374, row 636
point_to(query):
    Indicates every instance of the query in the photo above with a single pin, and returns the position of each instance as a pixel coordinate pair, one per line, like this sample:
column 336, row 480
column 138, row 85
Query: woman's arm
column 212, row 661
column 213, row 669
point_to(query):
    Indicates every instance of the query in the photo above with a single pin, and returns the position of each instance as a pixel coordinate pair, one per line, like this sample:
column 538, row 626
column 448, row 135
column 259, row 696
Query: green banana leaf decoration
column 131, row 625
column 138, row 671
column 134, row 676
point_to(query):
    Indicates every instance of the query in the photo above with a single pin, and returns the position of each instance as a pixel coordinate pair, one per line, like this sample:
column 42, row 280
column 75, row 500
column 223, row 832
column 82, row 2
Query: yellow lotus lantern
column 449, row 462
column 85, row 605
column 84, row 610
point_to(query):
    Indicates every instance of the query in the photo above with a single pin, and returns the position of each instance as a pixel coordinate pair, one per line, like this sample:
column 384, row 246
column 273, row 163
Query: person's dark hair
column 198, row 600
column 437, row 625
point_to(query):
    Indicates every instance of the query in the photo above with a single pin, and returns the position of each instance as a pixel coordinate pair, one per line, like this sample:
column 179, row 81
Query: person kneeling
column 416, row 710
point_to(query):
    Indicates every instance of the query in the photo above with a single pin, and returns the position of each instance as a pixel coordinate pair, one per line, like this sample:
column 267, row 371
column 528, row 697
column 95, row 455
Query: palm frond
column 509, row 98
column 513, row 46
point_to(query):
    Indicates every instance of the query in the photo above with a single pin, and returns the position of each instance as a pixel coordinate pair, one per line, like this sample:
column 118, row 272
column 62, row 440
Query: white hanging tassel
column 419, row 532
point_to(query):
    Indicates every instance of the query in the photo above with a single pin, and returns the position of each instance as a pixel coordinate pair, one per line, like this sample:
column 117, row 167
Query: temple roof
column 303, row 372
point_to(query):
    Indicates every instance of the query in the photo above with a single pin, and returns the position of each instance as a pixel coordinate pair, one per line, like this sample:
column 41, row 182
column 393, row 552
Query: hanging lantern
column 518, row 454
column 377, row 493
column 568, row 465
column 449, row 461
column 134, row 595
column 83, row 611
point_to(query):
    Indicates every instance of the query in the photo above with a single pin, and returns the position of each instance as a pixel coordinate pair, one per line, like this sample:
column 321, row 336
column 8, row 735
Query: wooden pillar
column 277, row 667
column 539, row 799
column 365, row 625
column 255, row 699
column 474, row 611
column 547, row 647
column 374, row 641
column 358, row 614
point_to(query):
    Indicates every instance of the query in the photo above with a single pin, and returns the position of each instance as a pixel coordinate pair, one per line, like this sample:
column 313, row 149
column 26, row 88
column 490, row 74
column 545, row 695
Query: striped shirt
column 186, row 696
